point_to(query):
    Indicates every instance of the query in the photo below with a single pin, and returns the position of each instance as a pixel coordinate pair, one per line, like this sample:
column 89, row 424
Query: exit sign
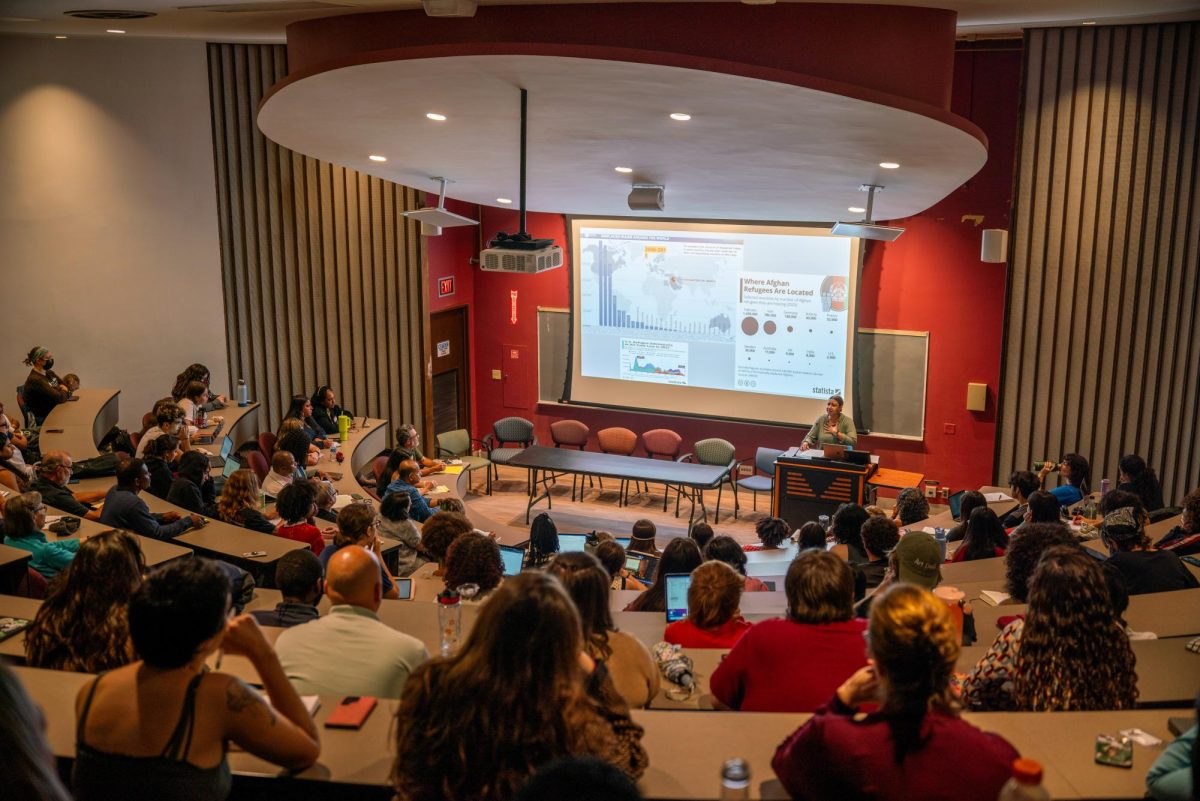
column 446, row 286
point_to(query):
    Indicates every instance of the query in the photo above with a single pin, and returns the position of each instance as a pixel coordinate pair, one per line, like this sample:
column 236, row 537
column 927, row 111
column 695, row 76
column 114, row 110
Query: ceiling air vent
column 100, row 13
column 265, row 8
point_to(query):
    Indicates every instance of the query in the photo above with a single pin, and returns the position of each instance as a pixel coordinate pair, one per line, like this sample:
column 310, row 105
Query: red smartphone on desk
column 351, row 713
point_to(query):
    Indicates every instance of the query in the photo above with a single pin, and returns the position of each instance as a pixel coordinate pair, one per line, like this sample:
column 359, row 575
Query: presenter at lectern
column 831, row 428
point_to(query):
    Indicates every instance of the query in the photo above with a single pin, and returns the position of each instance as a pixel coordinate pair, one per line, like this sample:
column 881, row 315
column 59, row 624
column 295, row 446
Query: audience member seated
column 195, row 398
column 159, row 457
column 17, row 442
column 680, row 556
column 985, row 537
column 1173, row 776
column 196, row 372
column 30, row 770
column 438, row 533
column 296, row 504
column 193, row 488
column 43, row 390
column 24, row 518
column 83, row 625
column 407, row 482
column 394, row 523
column 612, row 556
column 238, row 503
column 1045, row 661
column 580, row 779
column 477, row 724
column 408, row 447
column 474, row 558
column 447, row 504
column 1075, row 470
column 877, row 511
column 1024, row 552
column 1184, row 539
column 53, row 476
column 642, row 538
column 168, row 419
column 391, row 472
column 294, row 440
column 880, row 537
column 812, row 535
column 968, row 503
column 726, row 549
column 795, row 663
column 124, row 509
column 714, row 618
column 772, row 533
column 543, row 541
column 1145, row 568
column 301, row 409
column 628, row 661
column 846, row 528
column 349, row 651
column 1140, row 479
column 911, row 507
column 902, row 750
column 300, row 578
column 282, row 473
column 1041, row 508
column 1118, row 594
column 14, row 476
column 357, row 526
column 916, row 559
column 326, row 410
column 702, row 533
column 1021, row 485
column 160, row 727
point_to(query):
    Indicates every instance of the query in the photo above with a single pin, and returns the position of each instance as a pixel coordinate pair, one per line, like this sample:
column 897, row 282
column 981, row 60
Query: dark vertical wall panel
column 322, row 272
column 1102, row 342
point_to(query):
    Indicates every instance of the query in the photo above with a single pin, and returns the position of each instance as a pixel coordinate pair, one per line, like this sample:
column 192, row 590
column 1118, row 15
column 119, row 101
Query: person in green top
column 831, row 428
column 24, row 517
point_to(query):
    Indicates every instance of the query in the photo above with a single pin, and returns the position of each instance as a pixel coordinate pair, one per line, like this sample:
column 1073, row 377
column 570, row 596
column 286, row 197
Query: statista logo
column 826, row 391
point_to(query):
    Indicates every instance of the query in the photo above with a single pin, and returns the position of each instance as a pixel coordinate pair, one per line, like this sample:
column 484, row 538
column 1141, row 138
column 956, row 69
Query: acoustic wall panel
column 1102, row 344
column 323, row 274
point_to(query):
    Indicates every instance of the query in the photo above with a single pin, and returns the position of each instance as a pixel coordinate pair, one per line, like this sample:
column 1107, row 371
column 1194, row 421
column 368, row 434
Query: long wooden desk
column 76, row 426
column 154, row 552
column 14, row 563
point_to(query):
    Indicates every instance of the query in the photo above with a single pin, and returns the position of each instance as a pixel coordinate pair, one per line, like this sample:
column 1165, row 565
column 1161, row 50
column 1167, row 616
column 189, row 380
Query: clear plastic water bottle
column 1026, row 782
column 243, row 393
column 1105, row 486
column 449, row 619
column 735, row 779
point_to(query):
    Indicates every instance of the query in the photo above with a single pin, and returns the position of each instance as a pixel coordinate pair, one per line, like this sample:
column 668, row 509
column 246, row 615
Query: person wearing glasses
column 24, row 518
column 53, row 475
column 408, row 445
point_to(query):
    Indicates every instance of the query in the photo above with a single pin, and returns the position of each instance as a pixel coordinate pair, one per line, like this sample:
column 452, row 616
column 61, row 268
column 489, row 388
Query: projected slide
column 748, row 312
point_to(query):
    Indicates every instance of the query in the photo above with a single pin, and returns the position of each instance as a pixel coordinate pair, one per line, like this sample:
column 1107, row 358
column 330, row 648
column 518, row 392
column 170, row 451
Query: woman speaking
column 831, row 428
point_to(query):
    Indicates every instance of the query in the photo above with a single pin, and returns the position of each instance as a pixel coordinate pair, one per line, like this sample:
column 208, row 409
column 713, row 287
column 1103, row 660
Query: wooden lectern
column 807, row 487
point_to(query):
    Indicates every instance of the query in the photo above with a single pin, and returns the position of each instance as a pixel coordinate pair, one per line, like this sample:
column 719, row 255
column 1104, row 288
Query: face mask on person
column 49, row 364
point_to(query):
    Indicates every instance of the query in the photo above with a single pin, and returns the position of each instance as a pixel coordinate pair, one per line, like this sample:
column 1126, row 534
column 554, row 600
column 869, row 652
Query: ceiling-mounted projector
column 646, row 197
column 438, row 217
column 867, row 229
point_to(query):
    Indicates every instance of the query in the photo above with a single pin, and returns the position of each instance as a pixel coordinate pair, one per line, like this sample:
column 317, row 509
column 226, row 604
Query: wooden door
column 451, row 370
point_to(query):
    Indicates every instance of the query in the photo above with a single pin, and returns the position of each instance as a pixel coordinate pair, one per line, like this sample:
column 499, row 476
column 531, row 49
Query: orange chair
column 622, row 442
column 662, row 443
column 570, row 434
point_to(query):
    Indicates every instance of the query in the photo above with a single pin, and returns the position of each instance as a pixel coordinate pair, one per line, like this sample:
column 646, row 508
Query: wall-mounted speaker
column 995, row 246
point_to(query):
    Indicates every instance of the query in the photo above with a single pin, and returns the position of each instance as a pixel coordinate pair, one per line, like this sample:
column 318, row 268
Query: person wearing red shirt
column 714, row 619
column 297, row 504
column 794, row 664
column 915, row 746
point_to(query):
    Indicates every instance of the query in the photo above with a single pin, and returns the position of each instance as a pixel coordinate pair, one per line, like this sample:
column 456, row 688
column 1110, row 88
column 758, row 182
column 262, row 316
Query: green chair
column 506, row 432
column 456, row 444
column 718, row 452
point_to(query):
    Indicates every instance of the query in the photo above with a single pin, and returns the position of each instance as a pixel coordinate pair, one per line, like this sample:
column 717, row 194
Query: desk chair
column 716, row 452
column 764, row 463
column 571, row 434
column 622, row 442
column 457, row 444
column 26, row 417
column 266, row 444
column 662, row 443
column 258, row 464
column 505, row 432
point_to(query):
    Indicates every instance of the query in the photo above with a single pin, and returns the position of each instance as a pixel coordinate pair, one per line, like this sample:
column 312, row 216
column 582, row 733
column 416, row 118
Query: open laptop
column 955, row 502
column 208, row 439
column 218, row 460
column 677, row 595
column 231, row 466
column 623, row 542
column 570, row 543
column 643, row 566
column 512, row 559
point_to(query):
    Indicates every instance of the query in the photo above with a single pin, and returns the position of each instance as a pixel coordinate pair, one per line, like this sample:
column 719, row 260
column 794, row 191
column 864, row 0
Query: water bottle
column 735, row 779
column 1105, row 486
column 1026, row 782
column 449, row 619
column 343, row 427
column 939, row 534
column 243, row 393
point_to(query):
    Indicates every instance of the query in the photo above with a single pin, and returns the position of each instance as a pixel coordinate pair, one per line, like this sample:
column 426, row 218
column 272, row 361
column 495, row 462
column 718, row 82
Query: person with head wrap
column 1144, row 568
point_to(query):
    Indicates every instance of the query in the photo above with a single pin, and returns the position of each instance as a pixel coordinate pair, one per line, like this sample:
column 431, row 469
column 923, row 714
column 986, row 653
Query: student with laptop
column 961, row 506
column 124, row 509
column 474, row 558
column 543, row 540
column 710, row 599
column 680, row 556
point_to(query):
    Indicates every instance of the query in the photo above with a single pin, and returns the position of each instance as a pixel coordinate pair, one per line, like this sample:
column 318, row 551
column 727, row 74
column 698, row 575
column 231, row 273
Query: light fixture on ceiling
column 889, row 165
column 855, row 209
column 114, row 30
column 624, row 170
column 1089, row 22
column 449, row 8
column 60, row 37
column 504, row 200
column 433, row 115
column 437, row 216
column 867, row 229
column 377, row 158
column 679, row 116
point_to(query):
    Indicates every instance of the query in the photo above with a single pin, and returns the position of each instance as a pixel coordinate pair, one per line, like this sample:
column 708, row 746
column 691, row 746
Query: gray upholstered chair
column 506, row 433
column 456, row 444
column 763, row 479
column 717, row 452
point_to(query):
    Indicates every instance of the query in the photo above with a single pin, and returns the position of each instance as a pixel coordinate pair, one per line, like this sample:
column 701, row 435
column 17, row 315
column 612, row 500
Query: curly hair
column 440, row 531
column 589, row 584
column 295, row 501
column 1074, row 655
column 847, row 524
column 1191, row 512
column 474, row 558
column 239, row 492
column 84, row 623
column 772, row 531
column 714, row 595
column 1024, row 551
column 911, row 506
column 543, row 540
column 879, row 535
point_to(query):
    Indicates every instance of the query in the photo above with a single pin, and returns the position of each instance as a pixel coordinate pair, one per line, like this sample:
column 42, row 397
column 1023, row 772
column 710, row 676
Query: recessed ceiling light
column 504, row 200
column 433, row 115
column 856, row 210
column 623, row 169
column 60, row 37
column 1089, row 22
column 114, row 30
column 889, row 165
column 679, row 116
column 377, row 158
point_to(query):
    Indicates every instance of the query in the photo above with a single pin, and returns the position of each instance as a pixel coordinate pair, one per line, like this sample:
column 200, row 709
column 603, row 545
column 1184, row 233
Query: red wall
column 930, row 279
column 450, row 255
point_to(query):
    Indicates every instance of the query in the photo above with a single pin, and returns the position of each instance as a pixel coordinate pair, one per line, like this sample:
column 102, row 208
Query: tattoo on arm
column 239, row 698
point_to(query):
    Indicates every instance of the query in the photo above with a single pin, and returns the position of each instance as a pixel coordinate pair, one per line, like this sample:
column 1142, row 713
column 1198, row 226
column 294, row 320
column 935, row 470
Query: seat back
column 25, row 418
column 571, row 433
column 148, row 421
column 266, row 444
column 764, row 460
column 617, row 440
column 513, row 429
column 258, row 464
column 134, row 438
column 453, row 443
column 714, row 451
column 378, row 466
column 662, row 442
column 34, row 585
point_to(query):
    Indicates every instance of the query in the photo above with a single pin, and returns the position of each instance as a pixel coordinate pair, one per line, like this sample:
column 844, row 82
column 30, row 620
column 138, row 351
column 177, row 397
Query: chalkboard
column 891, row 367
column 554, row 328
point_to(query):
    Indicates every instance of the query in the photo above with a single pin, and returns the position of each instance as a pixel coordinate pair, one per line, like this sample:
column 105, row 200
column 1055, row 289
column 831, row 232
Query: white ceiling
column 753, row 150
column 180, row 18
